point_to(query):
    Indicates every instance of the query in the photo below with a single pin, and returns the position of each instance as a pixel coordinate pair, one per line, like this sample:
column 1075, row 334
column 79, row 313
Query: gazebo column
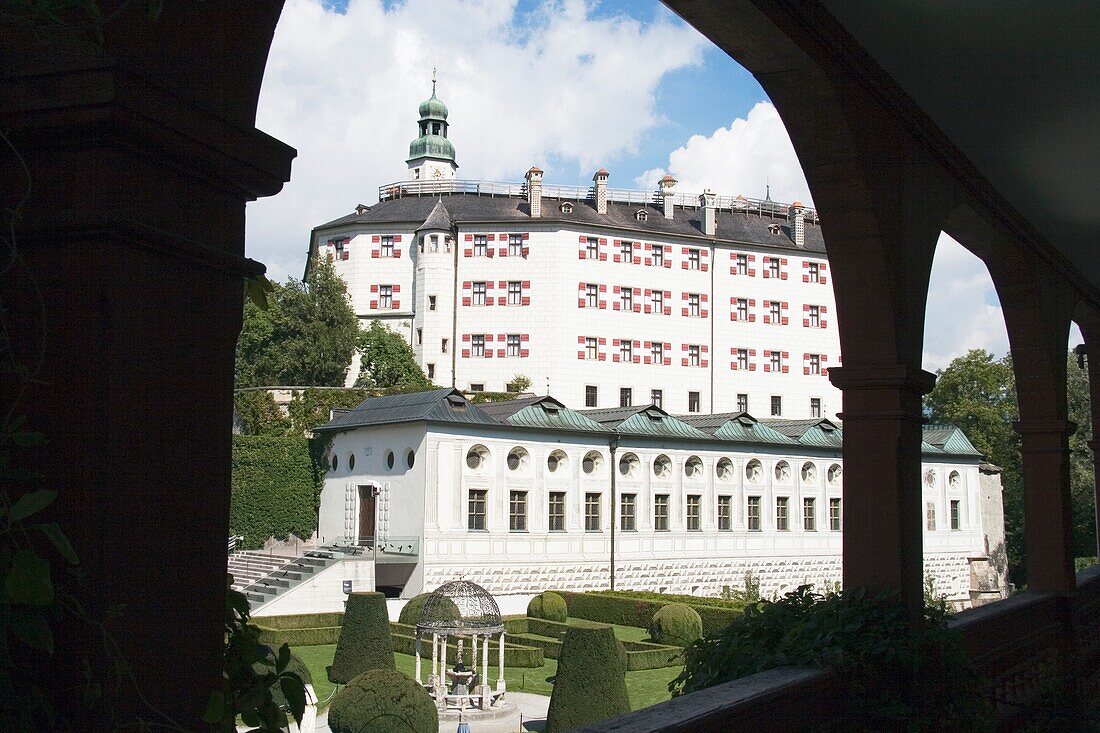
column 500, row 664
column 485, row 701
column 416, row 651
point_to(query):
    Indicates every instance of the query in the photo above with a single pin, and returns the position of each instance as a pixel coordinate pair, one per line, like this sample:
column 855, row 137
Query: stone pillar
column 416, row 651
column 1048, row 537
column 882, row 518
column 500, row 664
column 485, row 700
column 141, row 152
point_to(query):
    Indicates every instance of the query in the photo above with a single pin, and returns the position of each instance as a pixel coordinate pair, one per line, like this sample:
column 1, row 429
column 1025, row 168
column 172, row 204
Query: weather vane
column 433, row 81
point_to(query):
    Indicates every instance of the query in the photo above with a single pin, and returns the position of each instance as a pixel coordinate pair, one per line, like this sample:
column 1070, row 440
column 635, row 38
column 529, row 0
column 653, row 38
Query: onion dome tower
column 432, row 156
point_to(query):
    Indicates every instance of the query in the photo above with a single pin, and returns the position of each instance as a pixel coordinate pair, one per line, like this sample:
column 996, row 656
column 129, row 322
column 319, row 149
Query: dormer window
column 566, row 208
column 641, row 215
column 773, row 228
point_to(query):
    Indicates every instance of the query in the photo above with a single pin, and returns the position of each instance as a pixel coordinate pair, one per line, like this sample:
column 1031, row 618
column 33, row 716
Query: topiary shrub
column 676, row 624
column 365, row 639
column 383, row 701
column 444, row 611
column 548, row 605
column 298, row 667
column 590, row 685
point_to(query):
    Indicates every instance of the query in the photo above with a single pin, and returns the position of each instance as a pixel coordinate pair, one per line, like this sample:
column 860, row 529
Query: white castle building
column 525, row 495
column 603, row 297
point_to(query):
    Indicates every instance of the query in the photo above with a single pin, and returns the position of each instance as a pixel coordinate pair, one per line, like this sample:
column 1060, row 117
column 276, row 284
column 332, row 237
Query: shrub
column 591, row 684
column 366, row 642
column 383, row 701
column 275, row 489
column 676, row 625
column 637, row 610
column 275, row 638
column 1083, row 563
column 444, row 611
column 901, row 675
column 548, row 605
column 298, row 667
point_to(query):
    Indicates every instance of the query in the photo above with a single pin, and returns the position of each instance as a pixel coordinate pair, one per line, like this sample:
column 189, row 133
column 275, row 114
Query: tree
column 306, row 336
column 388, row 362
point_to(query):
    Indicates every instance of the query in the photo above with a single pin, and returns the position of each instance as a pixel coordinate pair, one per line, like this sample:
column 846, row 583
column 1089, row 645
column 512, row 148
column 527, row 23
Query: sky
column 567, row 85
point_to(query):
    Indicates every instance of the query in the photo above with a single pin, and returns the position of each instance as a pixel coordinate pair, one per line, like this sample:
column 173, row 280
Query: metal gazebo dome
column 477, row 612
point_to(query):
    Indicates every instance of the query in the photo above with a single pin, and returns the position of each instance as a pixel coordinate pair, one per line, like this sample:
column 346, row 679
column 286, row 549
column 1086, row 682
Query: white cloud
column 555, row 85
column 740, row 159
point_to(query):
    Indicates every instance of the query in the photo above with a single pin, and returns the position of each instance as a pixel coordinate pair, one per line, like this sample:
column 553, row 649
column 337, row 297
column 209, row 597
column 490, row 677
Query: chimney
column 798, row 223
column 708, row 213
column 534, row 191
column 668, row 189
column 601, row 190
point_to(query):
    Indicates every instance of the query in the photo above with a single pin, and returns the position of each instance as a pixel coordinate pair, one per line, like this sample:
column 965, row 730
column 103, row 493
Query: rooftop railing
column 763, row 207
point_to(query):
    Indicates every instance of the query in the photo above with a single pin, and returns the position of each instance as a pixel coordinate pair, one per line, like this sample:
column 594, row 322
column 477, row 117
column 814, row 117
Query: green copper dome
column 433, row 109
column 431, row 146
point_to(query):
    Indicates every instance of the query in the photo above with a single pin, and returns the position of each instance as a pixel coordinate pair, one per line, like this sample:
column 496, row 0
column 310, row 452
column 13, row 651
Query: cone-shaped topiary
column 444, row 610
column 591, row 682
column 548, row 605
column 365, row 641
column 676, row 624
column 383, row 701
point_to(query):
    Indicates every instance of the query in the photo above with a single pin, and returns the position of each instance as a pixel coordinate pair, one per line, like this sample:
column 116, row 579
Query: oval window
column 809, row 471
column 693, row 467
column 662, row 466
column 517, row 459
column 834, row 473
column 591, row 462
column 476, row 457
column 724, row 469
column 390, row 460
column 410, row 457
column 335, row 462
column 783, row 471
column 351, row 461
column 753, row 471
column 628, row 465
column 554, row 461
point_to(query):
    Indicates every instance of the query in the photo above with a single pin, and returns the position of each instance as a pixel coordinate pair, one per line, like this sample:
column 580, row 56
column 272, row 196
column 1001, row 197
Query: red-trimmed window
column 481, row 245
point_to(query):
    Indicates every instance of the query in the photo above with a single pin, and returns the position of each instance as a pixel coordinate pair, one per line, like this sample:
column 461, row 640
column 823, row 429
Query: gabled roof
column 546, row 412
column 950, row 439
column 819, row 432
column 440, row 218
column 437, row 405
column 737, row 427
column 646, row 420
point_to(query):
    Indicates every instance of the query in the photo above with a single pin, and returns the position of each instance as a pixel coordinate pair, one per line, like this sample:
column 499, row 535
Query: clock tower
column 432, row 156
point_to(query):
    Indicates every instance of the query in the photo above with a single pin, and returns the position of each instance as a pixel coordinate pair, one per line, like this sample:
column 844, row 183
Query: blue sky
column 568, row 85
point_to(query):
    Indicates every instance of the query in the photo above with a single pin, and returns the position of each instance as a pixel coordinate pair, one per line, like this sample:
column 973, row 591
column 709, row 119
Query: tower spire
column 433, row 81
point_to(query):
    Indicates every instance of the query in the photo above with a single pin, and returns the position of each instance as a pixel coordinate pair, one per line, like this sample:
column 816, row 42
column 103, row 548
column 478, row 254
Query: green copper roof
column 817, row 431
column 431, row 146
column 433, row 108
column 539, row 412
column 748, row 430
column 950, row 439
column 647, row 420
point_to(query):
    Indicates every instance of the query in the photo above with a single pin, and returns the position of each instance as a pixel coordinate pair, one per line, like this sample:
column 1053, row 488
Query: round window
column 693, row 468
column 517, row 459
column 390, row 460
column 628, row 465
column 351, row 461
column 753, row 471
column 834, row 473
column 591, row 461
column 335, row 462
column 809, row 471
column 554, row 461
column 410, row 457
column 662, row 466
column 783, row 471
column 724, row 469
column 476, row 457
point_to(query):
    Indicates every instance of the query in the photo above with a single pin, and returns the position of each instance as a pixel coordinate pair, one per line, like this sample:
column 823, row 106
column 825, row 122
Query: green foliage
column 310, row 408
column 480, row 398
column 276, row 486
column 548, row 636
column 629, row 608
column 517, row 652
column 977, row 393
column 444, row 610
column 590, row 685
column 548, row 605
column 388, row 361
column 298, row 667
column 1083, row 563
column 251, row 677
column 259, row 415
column 750, row 593
column 519, row 383
column 305, row 337
column 365, row 641
column 676, row 625
column 898, row 671
column 383, row 701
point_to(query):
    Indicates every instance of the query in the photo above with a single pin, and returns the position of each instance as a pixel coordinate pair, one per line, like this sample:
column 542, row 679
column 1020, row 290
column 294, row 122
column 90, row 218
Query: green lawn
column 646, row 687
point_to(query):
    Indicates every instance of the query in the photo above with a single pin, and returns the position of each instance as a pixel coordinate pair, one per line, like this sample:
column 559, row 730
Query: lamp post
column 613, row 445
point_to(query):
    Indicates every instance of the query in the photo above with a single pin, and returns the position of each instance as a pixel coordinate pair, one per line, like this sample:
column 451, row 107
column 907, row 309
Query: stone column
column 485, row 699
column 500, row 664
column 1044, row 448
column 140, row 152
column 883, row 543
column 416, row 651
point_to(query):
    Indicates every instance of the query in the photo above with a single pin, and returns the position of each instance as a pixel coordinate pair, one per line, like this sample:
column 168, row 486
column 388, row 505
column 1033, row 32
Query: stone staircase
column 263, row 576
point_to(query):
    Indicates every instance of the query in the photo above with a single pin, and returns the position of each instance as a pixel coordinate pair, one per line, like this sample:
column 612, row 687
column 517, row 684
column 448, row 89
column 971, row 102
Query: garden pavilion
column 463, row 611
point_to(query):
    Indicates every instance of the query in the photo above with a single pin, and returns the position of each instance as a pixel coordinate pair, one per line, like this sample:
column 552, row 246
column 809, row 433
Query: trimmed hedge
column 300, row 620
column 591, row 683
column 515, row 655
column 629, row 611
column 366, row 641
column 548, row 636
column 383, row 701
column 275, row 638
column 410, row 612
column 276, row 485
column 687, row 600
column 676, row 624
column 548, row 605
